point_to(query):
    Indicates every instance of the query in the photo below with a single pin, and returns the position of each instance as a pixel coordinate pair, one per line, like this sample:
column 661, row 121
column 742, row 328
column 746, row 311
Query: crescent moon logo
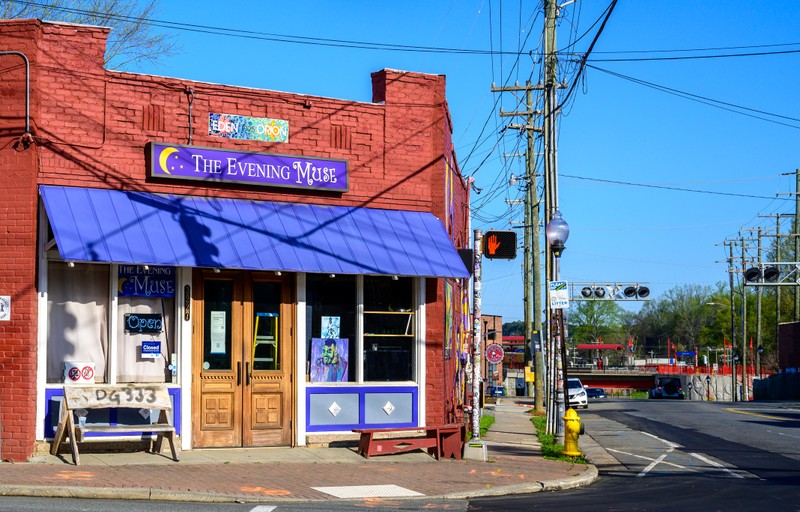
column 120, row 284
column 162, row 159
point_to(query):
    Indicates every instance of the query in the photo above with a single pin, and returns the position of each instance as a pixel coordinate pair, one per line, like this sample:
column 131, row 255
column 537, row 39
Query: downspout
column 26, row 137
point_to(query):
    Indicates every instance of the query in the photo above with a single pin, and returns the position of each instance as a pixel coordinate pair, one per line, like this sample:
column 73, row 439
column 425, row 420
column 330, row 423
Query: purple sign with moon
column 182, row 162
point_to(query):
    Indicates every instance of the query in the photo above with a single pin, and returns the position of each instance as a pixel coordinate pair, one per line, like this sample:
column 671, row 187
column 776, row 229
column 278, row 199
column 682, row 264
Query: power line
column 709, row 49
column 699, row 57
column 665, row 187
column 730, row 107
column 609, row 11
column 267, row 36
column 366, row 45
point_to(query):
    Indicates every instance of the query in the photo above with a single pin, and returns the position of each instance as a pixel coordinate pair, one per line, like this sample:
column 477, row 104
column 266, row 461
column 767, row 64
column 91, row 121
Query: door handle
column 239, row 373
column 247, row 372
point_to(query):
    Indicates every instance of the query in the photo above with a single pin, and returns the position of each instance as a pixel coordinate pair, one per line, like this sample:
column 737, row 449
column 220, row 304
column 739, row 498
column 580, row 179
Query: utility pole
column 733, row 321
column 758, row 312
column 796, row 231
column 531, row 264
column 744, row 329
column 557, row 397
column 777, row 288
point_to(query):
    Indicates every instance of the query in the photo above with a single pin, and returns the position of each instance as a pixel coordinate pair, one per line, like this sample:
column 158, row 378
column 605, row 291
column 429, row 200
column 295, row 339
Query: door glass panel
column 266, row 326
column 217, row 342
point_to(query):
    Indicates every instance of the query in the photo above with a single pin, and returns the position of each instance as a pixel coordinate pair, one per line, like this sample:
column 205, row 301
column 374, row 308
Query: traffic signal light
column 636, row 291
column 598, row 292
column 500, row 245
column 769, row 274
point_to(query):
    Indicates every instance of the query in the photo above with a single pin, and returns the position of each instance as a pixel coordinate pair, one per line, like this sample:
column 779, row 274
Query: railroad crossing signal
column 609, row 291
column 501, row 245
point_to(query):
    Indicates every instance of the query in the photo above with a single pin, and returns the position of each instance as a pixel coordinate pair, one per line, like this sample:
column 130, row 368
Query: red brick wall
column 18, row 203
column 90, row 129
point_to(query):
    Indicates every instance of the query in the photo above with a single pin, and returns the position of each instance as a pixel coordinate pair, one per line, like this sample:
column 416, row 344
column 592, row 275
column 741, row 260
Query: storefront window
column 386, row 353
column 144, row 355
column 331, row 328
column 77, row 327
column 389, row 329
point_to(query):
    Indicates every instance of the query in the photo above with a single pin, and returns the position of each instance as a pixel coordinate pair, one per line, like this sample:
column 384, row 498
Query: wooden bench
column 439, row 440
column 143, row 396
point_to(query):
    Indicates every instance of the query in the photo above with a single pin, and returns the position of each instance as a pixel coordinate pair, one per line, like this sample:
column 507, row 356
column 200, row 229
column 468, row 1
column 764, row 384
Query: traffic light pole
column 475, row 448
column 532, row 294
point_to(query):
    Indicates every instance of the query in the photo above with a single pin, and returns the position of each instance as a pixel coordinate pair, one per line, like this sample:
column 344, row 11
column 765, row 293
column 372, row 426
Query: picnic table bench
column 142, row 396
column 439, row 440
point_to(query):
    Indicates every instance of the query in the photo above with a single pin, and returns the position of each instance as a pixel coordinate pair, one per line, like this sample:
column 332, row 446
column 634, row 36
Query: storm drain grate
column 368, row 491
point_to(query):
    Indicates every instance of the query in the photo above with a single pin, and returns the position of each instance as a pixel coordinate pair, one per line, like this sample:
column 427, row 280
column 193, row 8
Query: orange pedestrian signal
column 501, row 245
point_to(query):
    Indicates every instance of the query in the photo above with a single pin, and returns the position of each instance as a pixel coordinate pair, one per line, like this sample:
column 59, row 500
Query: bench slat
column 152, row 427
column 146, row 396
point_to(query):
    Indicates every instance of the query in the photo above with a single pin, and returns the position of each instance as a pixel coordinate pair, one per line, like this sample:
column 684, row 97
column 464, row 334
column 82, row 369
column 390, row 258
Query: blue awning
column 116, row 226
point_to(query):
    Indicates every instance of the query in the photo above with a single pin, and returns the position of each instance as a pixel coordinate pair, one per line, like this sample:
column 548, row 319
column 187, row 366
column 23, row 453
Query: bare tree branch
column 132, row 39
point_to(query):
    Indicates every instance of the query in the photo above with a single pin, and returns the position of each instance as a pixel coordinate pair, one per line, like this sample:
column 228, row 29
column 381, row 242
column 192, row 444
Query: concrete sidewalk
column 515, row 465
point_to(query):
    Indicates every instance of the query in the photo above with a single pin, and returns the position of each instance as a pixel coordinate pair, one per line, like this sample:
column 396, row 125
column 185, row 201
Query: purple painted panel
column 213, row 165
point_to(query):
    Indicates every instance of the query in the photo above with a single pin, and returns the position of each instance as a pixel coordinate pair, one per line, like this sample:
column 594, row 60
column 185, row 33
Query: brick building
column 286, row 263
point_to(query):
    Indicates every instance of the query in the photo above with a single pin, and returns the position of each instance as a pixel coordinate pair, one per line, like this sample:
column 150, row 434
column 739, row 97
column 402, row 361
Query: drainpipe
column 26, row 137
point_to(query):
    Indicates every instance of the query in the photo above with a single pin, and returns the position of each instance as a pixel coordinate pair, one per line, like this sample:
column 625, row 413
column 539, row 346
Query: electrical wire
column 267, row 36
column 585, row 56
column 665, row 187
column 730, row 107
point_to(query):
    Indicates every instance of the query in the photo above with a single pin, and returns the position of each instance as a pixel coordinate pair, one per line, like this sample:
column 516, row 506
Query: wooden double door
column 243, row 355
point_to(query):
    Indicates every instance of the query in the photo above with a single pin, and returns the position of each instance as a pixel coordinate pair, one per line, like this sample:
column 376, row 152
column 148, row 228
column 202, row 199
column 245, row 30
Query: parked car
column 596, row 393
column 668, row 387
column 577, row 393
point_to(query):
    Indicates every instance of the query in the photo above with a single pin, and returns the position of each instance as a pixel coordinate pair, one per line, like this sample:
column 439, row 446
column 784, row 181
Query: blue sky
column 613, row 131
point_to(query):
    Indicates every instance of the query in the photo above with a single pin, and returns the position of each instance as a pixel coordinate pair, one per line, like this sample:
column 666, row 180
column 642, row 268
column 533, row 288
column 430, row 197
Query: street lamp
column 708, row 388
column 557, row 232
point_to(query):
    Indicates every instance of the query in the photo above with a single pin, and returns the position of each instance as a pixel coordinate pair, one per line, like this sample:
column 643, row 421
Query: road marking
column 646, row 458
column 782, row 434
column 718, row 465
column 368, row 491
column 668, row 443
column 767, row 416
column 654, row 464
column 263, row 508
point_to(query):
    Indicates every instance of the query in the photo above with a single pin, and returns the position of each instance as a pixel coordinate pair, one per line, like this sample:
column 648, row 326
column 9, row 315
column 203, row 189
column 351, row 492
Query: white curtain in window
column 77, row 307
column 131, row 366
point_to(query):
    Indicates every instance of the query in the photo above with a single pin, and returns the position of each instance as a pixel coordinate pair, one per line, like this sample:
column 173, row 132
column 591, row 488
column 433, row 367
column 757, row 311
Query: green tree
column 516, row 328
column 132, row 39
column 589, row 320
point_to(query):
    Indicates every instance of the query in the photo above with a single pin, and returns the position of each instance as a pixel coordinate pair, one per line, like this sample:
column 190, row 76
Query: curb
column 144, row 494
column 588, row 477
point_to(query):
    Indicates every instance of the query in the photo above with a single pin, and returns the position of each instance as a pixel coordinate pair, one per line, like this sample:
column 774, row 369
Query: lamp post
column 734, row 362
column 557, row 232
column 759, row 352
column 708, row 388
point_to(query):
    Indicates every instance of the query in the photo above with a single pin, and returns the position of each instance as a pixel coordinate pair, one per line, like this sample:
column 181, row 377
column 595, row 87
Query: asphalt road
column 684, row 455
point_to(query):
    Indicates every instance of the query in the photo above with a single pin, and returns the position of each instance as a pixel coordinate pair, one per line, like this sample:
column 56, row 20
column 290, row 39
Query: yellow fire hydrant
column 572, row 429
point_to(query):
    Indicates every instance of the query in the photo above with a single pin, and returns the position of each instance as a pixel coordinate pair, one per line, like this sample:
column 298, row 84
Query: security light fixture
column 557, row 232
